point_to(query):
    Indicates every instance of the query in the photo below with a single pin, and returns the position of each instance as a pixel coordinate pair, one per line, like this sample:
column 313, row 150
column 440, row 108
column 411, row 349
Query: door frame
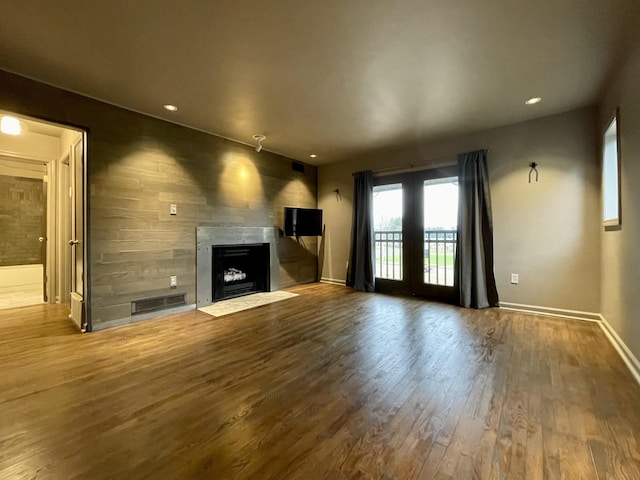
column 36, row 168
column 53, row 198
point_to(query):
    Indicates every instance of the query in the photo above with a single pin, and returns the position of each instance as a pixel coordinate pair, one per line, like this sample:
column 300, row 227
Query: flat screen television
column 301, row 222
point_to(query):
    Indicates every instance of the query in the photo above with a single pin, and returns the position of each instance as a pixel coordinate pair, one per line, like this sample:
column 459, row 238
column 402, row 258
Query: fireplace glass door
column 240, row 270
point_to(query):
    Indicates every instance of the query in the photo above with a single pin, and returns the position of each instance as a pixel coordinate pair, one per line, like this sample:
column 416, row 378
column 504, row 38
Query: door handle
column 41, row 239
column 73, row 242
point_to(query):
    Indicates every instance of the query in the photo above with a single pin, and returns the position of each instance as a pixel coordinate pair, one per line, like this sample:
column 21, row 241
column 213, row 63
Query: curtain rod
column 439, row 162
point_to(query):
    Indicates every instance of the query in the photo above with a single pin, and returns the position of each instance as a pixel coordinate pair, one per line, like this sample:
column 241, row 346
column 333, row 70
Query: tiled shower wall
column 21, row 220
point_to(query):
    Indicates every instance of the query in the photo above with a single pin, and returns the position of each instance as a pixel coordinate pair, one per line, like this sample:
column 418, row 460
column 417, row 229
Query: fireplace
column 210, row 237
column 239, row 270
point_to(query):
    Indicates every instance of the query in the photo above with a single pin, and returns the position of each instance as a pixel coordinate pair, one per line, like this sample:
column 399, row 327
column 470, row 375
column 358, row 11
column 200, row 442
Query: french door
column 415, row 232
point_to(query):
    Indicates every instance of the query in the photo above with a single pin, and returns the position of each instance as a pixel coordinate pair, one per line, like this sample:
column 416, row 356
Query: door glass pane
column 387, row 231
column 440, row 230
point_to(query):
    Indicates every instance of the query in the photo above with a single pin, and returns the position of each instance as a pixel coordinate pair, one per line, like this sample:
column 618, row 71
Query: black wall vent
column 158, row 303
column 297, row 167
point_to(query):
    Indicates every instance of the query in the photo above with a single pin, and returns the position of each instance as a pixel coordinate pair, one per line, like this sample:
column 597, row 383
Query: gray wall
column 621, row 249
column 547, row 232
column 137, row 167
column 21, row 220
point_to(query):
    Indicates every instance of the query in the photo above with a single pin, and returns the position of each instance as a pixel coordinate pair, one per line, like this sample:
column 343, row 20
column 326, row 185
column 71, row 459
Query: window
column 440, row 198
column 387, row 226
column 611, row 175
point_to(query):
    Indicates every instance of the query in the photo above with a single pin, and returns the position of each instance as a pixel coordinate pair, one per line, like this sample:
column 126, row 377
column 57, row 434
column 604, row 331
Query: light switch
column 173, row 209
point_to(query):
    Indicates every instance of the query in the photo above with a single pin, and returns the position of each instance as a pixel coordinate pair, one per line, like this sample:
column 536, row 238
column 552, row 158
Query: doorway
column 56, row 154
column 415, row 232
column 22, row 227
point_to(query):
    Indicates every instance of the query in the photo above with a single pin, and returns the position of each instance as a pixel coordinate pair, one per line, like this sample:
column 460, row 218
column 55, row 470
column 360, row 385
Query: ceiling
column 335, row 78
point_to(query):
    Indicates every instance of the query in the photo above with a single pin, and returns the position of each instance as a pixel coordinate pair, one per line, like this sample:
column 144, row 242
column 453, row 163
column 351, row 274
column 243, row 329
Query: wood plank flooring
column 332, row 384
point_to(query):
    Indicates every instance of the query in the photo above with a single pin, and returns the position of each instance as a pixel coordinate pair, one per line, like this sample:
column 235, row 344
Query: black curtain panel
column 475, row 279
column 360, row 271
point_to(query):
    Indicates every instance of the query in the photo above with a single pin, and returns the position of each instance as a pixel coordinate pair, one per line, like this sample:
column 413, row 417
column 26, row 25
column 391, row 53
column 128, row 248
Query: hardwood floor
column 332, row 384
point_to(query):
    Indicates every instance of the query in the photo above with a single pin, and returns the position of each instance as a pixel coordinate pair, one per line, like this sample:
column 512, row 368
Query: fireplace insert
column 239, row 270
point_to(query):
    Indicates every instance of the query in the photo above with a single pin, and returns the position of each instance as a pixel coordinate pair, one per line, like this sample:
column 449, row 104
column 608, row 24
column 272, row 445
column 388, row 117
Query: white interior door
column 77, row 215
column 76, row 242
column 63, row 233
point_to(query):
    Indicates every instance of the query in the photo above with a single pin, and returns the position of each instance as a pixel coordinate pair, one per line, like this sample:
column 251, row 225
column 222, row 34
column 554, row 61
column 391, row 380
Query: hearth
column 239, row 270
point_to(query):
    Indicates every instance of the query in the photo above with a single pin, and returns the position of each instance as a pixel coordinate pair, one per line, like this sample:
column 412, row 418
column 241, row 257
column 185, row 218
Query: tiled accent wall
column 21, row 220
column 137, row 167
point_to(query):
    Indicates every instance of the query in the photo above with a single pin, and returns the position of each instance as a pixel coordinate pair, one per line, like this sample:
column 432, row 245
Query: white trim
column 119, row 322
column 8, row 155
column 630, row 360
column 552, row 312
column 333, row 281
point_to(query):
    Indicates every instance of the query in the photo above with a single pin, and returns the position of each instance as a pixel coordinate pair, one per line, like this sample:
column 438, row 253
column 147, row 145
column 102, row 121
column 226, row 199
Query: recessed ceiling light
column 533, row 101
column 313, row 155
column 171, row 108
column 10, row 126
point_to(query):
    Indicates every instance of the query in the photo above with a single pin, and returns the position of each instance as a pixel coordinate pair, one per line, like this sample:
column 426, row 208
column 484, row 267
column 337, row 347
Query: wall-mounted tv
column 301, row 222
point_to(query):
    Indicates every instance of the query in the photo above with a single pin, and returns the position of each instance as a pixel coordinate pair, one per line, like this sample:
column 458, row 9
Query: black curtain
column 475, row 279
column 360, row 271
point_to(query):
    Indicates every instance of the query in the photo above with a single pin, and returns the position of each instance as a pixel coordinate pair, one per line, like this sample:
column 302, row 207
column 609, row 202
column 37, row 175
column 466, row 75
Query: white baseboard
column 552, row 312
column 333, row 281
column 627, row 355
column 629, row 359
column 118, row 322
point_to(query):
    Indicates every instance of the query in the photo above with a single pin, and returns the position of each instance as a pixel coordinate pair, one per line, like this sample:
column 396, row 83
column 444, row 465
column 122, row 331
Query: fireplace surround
column 209, row 237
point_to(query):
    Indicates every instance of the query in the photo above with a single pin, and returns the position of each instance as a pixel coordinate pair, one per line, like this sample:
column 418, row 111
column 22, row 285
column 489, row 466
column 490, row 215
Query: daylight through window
column 610, row 176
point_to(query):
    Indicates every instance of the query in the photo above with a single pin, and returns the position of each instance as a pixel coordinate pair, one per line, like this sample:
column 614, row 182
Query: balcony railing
column 388, row 254
column 439, row 254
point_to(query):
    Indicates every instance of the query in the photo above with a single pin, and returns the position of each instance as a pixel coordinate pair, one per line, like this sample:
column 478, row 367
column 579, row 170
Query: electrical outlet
column 173, row 281
column 173, row 209
column 514, row 278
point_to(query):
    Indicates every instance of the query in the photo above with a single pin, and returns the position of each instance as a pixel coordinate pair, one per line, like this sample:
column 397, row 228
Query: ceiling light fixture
column 313, row 155
column 171, row 108
column 10, row 126
column 533, row 101
column 259, row 138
